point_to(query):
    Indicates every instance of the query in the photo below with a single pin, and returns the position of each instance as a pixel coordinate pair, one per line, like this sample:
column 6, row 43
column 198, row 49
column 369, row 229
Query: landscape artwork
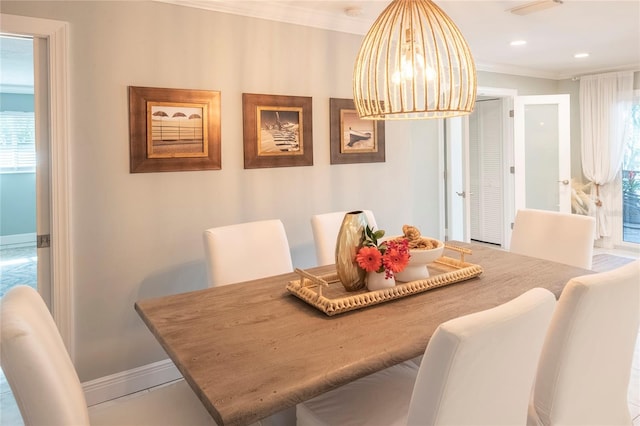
column 176, row 130
column 354, row 140
column 279, row 131
column 357, row 135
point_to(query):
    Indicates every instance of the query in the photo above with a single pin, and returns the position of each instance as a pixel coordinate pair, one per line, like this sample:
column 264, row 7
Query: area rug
column 607, row 262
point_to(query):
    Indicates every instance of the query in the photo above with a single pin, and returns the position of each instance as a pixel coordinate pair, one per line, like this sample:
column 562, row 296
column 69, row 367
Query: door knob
column 564, row 182
column 461, row 194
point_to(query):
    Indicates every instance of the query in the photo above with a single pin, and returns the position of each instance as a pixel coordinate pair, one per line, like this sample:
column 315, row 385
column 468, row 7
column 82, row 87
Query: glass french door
column 631, row 179
column 542, row 153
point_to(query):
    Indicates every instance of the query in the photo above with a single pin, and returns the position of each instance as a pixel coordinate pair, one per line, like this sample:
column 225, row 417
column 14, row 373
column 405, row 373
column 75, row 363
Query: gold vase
column 349, row 240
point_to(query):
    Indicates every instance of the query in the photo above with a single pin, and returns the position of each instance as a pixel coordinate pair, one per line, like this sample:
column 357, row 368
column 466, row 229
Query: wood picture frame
column 354, row 140
column 173, row 130
column 277, row 131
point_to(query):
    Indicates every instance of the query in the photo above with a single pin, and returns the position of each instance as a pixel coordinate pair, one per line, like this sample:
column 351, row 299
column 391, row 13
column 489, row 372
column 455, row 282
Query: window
column 17, row 142
column 631, row 179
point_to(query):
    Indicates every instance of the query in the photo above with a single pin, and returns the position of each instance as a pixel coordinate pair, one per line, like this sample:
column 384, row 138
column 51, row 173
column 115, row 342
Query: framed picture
column 277, row 131
column 354, row 140
column 173, row 130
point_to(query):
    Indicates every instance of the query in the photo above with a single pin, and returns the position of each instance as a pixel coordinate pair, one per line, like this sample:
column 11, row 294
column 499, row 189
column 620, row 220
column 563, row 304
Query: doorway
column 20, row 177
column 486, row 186
column 540, row 129
column 478, row 171
column 18, row 254
column 51, row 60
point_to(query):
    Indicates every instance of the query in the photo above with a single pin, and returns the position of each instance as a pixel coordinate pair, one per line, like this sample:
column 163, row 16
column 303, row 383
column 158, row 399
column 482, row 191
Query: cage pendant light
column 414, row 63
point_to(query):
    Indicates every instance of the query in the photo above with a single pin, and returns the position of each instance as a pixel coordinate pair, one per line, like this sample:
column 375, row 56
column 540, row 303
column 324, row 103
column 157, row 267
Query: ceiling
column 609, row 30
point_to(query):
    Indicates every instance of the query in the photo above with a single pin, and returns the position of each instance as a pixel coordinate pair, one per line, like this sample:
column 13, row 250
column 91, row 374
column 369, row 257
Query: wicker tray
column 327, row 294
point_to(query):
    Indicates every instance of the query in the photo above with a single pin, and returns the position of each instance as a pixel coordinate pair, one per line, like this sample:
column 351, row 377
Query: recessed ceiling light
column 580, row 55
column 518, row 43
column 353, row 11
column 534, row 6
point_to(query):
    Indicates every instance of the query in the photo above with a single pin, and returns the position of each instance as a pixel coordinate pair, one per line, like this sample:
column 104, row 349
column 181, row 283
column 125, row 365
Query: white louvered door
column 486, row 174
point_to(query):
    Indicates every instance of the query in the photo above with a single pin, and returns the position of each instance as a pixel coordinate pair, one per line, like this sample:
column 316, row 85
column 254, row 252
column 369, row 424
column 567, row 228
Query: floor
column 633, row 398
column 18, row 266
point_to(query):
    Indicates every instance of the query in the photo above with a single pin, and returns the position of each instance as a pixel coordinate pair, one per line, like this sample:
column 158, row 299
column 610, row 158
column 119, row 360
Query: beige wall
column 572, row 87
column 139, row 235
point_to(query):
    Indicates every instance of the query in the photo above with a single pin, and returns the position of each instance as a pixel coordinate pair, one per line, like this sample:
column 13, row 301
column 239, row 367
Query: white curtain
column 605, row 111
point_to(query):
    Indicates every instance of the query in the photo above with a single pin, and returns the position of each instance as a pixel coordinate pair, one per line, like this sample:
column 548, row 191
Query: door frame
column 617, row 221
column 56, row 34
column 457, row 180
column 461, row 128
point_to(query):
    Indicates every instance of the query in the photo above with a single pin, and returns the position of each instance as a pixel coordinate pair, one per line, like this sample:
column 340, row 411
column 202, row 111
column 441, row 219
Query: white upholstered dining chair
column 46, row 386
column 325, row 228
column 477, row 370
column 249, row 251
column 559, row 237
column 246, row 251
column 586, row 360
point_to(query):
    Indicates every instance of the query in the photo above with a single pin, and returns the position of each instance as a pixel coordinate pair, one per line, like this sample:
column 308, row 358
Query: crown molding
column 514, row 70
column 629, row 67
column 287, row 13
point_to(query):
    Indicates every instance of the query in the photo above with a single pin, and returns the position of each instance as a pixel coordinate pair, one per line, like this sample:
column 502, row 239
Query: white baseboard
column 17, row 240
column 130, row 381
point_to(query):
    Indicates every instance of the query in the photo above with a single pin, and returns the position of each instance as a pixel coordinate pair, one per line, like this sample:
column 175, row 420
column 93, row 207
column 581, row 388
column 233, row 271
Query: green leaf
column 379, row 233
column 368, row 232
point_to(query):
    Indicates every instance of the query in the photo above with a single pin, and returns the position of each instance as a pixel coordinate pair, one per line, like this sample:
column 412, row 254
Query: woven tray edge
column 464, row 271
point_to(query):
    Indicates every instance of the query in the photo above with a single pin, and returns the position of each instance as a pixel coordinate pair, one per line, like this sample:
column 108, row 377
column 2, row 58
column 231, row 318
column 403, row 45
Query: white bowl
column 416, row 269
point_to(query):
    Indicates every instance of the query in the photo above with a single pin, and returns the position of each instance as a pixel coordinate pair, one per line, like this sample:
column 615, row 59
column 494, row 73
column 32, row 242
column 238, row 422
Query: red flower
column 387, row 256
column 369, row 258
column 396, row 257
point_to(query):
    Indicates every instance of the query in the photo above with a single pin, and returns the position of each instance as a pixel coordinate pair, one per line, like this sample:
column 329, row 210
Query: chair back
column 36, row 363
column 479, row 369
column 325, row 229
column 585, row 365
column 559, row 237
column 246, row 251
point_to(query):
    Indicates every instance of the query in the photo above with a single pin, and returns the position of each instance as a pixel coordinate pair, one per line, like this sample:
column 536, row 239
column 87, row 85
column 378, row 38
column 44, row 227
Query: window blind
column 17, row 142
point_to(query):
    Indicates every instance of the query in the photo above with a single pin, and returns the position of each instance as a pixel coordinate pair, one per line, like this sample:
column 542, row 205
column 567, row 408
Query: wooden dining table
column 251, row 349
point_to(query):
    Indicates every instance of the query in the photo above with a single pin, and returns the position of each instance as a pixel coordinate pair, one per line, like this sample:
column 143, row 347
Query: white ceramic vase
column 417, row 269
column 378, row 281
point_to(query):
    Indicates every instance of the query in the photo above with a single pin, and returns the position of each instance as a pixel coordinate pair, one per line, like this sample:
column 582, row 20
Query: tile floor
column 18, row 266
